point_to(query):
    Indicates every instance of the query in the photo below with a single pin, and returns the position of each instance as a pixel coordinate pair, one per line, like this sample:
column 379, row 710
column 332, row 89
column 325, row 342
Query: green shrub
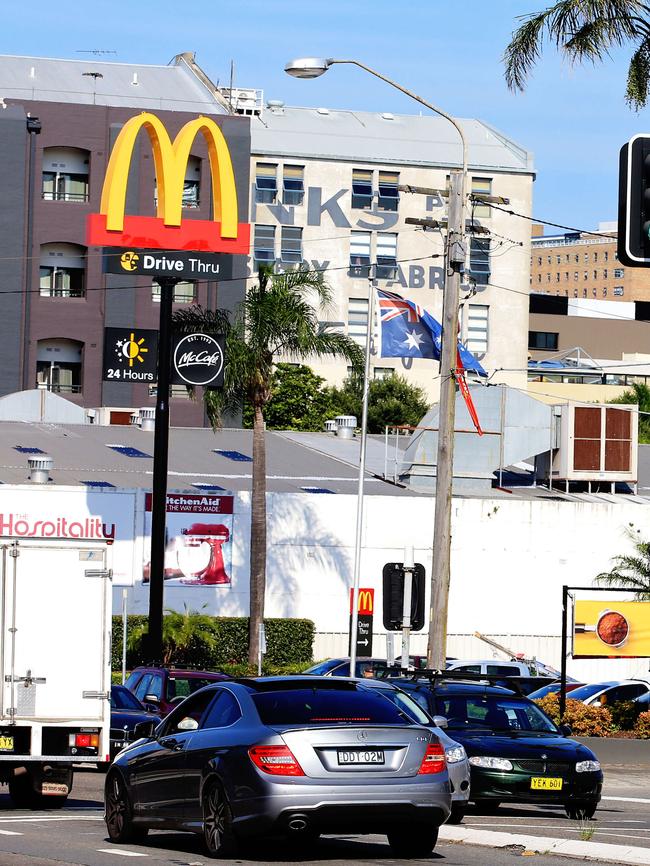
column 585, row 721
column 624, row 715
column 289, row 643
column 642, row 727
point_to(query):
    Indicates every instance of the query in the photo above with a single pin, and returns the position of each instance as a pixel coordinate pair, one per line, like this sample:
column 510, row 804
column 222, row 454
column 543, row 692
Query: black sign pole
column 565, row 605
column 160, row 457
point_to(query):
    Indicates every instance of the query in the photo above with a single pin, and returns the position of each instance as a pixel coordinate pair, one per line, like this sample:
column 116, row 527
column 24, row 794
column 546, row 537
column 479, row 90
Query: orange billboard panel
column 608, row 628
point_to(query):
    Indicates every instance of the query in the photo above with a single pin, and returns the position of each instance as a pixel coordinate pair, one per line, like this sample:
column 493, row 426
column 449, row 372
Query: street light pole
column 313, row 67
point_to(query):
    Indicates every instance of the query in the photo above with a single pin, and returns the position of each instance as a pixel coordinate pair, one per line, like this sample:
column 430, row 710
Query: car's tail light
column 275, row 760
column 434, row 759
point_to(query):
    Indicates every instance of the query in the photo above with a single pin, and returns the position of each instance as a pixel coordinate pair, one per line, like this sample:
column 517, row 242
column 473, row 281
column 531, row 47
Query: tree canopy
column 639, row 393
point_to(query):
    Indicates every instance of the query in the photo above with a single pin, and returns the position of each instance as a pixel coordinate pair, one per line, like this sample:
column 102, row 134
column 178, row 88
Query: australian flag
column 408, row 331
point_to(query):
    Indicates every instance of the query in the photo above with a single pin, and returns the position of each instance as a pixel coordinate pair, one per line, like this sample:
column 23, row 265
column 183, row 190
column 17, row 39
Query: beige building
column 325, row 190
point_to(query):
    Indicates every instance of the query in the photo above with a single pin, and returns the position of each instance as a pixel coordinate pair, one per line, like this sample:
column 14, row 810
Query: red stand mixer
column 200, row 554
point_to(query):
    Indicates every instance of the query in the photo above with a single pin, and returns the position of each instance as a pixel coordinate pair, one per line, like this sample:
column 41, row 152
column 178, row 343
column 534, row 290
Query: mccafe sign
column 198, row 359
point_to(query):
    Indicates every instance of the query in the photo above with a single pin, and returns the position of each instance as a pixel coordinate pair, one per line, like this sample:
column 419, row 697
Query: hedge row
column 288, row 643
column 597, row 721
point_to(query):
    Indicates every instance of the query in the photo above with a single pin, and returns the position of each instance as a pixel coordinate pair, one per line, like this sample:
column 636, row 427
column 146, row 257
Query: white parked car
column 610, row 692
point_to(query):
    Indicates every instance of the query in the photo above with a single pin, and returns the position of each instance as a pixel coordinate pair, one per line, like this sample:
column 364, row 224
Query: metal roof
column 94, row 82
column 403, row 139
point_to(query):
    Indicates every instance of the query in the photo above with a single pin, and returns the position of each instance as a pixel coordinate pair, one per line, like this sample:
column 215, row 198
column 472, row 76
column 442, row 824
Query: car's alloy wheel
column 413, row 841
column 118, row 816
column 217, row 822
column 581, row 811
column 458, row 810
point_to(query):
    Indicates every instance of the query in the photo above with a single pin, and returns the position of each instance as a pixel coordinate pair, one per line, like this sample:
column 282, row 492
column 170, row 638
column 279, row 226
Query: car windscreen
column 122, row 699
column 588, row 691
column 492, row 713
column 314, row 706
column 550, row 689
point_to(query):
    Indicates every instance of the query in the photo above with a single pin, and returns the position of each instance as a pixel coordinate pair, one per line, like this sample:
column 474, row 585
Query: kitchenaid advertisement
column 198, row 550
column 610, row 628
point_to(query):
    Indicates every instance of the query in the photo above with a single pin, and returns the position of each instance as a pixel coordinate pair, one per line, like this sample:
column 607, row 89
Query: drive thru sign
column 365, row 609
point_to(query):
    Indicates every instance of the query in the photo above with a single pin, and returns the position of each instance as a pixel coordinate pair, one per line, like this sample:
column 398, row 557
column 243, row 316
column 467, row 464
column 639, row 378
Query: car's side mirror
column 151, row 699
column 187, row 724
column 440, row 721
column 565, row 730
column 144, row 730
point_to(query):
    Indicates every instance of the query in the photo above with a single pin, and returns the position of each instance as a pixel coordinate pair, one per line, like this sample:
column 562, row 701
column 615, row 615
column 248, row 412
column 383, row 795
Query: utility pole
column 455, row 262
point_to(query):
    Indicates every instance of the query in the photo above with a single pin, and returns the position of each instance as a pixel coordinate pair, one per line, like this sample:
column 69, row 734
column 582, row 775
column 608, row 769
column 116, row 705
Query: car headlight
column 491, row 763
column 455, row 754
column 587, row 766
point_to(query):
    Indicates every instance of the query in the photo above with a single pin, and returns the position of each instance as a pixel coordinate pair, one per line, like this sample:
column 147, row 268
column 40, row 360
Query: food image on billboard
column 610, row 628
column 198, row 549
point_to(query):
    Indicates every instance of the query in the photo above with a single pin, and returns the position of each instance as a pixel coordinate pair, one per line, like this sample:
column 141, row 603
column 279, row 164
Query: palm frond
column 638, row 77
column 524, row 50
column 630, row 570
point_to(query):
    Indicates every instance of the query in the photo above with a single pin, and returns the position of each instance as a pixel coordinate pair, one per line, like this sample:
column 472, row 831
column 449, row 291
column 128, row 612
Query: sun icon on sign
column 134, row 350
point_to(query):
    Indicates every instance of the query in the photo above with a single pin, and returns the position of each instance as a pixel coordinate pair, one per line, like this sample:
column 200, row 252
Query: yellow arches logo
column 167, row 230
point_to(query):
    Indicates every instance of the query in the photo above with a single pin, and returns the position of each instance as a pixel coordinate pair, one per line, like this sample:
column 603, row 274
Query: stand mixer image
column 199, row 554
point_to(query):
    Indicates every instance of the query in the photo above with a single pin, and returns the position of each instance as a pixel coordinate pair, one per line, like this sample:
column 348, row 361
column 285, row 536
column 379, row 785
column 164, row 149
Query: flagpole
column 356, row 575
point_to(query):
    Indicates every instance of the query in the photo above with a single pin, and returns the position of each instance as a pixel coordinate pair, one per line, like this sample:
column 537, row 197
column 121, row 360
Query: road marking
column 627, row 799
column 48, row 818
column 602, row 831
column 121, row 853
column 10, row 833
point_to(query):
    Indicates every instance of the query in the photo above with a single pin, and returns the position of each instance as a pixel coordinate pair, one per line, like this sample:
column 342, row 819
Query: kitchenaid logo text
column 61, row 527
column 179, row 503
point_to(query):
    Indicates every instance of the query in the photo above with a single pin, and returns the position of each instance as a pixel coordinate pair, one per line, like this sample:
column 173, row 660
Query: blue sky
column 573, row 119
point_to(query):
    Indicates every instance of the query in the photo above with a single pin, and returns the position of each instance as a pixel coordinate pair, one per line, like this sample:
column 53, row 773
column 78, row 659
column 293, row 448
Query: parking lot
column 76, row 835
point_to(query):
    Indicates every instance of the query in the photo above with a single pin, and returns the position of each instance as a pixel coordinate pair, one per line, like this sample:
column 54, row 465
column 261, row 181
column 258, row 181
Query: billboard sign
column 130, row 355
column 112, row 227
column 611, row 628
column 167, row 263
column 198, row 359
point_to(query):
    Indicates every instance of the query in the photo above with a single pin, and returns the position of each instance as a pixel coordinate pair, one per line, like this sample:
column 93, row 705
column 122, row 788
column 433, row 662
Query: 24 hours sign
column 130, row 355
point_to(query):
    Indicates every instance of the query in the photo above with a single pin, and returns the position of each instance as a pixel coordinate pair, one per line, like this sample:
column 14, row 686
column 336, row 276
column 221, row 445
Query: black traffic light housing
column 634, row 203
column 393, row 586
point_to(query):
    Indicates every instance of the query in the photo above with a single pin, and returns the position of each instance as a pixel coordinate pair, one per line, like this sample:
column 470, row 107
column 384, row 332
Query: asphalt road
column 76, row 835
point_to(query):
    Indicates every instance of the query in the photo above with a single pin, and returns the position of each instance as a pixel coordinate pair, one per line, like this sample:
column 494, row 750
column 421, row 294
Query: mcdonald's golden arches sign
column 168, row 230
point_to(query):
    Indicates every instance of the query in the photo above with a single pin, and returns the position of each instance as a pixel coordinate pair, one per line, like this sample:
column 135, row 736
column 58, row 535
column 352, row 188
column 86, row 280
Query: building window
column 388, row 197
column 618, row 291
column 382, row 372
column 293, row 184
column 566, row 276
column 558, row 259
column 548, row 278
column 604, row 293
column 386, row 256
column 361, row 188
column 266, row 182
column 586, row 275
column 619, row 273
column 291, row 244
column 539, row 260
column 548, row 260
column 605, row 273
column 605, row 255
column 264, row 244
column 65, row 174
column 557, row 277
column 63, row 271
column 584, row 293
column 481, row 186
column 359, row 254
column 59, row 365
column 595, row 257
column 539, row 278
column 575, row 276
column 479, row 261
column 477, row 328
column 358, row 320
column 542, row 340
column 192, row 183
column 577, row 258
column 184, row 292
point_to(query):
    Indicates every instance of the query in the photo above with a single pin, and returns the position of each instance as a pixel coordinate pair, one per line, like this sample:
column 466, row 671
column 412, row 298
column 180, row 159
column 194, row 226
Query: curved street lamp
column 314, row 67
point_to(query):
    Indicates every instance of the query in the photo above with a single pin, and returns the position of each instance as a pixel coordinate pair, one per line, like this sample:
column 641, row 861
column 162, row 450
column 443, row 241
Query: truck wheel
column 119, row 814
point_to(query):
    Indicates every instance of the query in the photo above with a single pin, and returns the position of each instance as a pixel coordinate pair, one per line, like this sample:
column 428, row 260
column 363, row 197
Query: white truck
column 55, row 662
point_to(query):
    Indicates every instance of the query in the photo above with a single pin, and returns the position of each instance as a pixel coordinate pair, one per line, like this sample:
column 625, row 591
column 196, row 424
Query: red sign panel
column 365, row 601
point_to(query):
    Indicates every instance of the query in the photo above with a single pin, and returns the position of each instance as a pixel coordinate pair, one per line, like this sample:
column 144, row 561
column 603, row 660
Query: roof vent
column 322, row 110
column 345, row 426
column 275, row 105
column 330, row 426
column 39, row 468
column 134, row 80
column 388, row 116
column 148, row 418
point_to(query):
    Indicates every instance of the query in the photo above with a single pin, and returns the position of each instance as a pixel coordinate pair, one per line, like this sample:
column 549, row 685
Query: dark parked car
column 126, row 713
column 295, row 755
column 517, row 754
column 166, row 687
column 552, row 689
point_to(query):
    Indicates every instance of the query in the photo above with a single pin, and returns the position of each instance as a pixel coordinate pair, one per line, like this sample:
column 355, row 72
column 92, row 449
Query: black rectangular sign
column 130, row 355
column 167, row 263
column 363, row 636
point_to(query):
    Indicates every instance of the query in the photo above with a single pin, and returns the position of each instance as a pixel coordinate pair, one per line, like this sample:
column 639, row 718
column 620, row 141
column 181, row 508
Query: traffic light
column 393, row 585
column 634, row 203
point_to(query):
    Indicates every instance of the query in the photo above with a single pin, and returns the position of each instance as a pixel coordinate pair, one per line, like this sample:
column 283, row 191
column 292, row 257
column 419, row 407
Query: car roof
column 443, row 687
column 303, row 681
column 186, row 672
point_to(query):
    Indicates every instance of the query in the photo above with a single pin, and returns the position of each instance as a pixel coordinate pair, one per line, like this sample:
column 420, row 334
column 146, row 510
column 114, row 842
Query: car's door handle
column 173, row 744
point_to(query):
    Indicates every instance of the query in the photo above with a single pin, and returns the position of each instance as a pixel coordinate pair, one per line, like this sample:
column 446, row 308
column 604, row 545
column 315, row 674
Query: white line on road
column 627, row 799
column 121, row 853
column 48, row 818
column 9, row 833
column 602, row 831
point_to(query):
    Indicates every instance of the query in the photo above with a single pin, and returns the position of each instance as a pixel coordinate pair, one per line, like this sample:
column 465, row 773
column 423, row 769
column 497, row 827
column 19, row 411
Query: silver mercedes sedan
column 297, row 756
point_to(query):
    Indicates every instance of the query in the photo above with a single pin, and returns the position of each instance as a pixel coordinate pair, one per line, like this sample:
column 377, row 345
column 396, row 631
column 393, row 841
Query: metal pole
column 34, row 129
column 160, row 458
column 440, row 572
column 362, row 471
column 125, row 624
column 565, row 611
column 407, row 568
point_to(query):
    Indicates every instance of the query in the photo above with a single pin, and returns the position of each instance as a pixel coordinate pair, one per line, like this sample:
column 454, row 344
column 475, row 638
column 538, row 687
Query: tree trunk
column 258, row 536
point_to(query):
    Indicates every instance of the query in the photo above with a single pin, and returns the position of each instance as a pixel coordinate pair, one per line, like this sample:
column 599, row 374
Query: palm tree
column 631, row 571
column 277, row 319
column 180, row 632
column 585, row 30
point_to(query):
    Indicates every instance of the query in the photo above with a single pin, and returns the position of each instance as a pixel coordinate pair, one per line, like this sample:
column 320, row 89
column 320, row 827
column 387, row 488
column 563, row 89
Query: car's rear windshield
column 314, row 706
column 492, row 713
